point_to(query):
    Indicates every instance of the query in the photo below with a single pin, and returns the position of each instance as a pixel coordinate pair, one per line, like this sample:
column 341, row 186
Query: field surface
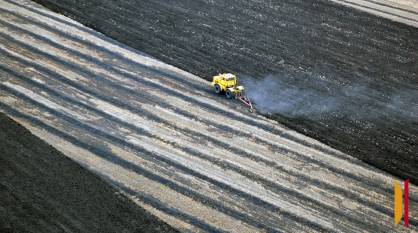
column 403, row 11
column 335, row 73
column 164, row 139
column 41, row 190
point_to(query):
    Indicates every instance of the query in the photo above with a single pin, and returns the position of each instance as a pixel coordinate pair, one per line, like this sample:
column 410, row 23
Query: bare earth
column 41, row 190
column 403, row 11
column 197, row 162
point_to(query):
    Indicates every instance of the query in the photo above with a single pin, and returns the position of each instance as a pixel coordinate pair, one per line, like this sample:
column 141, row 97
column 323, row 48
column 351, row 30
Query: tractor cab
column 228, row 84
column 226, row 80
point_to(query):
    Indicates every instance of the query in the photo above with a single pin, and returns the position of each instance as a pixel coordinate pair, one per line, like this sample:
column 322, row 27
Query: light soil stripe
column 412, row 7
column 385, row 12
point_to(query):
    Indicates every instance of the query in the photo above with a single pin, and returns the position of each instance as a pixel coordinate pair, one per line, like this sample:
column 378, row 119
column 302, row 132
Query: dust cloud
column 315, row 97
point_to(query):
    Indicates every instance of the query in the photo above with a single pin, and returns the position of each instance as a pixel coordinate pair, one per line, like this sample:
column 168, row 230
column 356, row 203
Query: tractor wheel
column 218, row 89
column 229, row 94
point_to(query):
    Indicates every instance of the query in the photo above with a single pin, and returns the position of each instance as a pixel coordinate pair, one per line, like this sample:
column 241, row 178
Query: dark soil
column 305, row 39
column 41, row 190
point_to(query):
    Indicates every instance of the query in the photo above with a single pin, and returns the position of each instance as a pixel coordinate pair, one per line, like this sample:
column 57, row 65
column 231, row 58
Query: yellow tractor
column 228, row 84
